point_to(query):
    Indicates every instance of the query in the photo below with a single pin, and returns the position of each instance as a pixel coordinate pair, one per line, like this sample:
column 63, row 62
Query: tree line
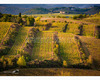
column 22, row 20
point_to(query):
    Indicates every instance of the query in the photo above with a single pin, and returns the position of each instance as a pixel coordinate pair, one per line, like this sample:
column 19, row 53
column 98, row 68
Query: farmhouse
column 62, row 12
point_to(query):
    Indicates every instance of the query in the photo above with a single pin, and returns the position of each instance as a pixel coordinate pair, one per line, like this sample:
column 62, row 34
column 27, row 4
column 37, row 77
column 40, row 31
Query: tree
column 65, row 63
column 30, row 21
column 19, row 20
column 38, row 19
column 74, row 17
column 2, row 58
column 1, row 15
column 19, row 14
column 10, row 63
column 21, row 61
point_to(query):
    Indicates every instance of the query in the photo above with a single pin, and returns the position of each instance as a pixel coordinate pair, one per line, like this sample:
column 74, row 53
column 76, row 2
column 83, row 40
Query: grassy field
column 20, row 39
column 68, row 48
column 54, row 14
column 93, row 46
column 43, row 46
column 4, row 26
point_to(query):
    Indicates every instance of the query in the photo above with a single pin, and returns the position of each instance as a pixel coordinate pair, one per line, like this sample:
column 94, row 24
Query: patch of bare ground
column 53, row 72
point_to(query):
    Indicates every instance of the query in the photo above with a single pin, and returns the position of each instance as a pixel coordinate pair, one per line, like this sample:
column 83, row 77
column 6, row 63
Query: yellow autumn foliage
column 21, row 61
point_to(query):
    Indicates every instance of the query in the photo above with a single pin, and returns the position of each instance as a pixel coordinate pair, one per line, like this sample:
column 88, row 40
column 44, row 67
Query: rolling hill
column 47, row 8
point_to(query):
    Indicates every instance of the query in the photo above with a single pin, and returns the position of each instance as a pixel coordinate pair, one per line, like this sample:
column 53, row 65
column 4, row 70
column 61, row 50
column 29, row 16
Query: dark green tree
column 1, row 15
column 19, row 14
column 30, row 21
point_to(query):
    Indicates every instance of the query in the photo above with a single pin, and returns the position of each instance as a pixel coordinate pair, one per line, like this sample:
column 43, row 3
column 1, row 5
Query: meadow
column 51, row 15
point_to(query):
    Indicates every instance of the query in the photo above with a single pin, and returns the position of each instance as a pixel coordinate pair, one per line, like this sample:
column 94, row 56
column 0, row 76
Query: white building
column 62, row 12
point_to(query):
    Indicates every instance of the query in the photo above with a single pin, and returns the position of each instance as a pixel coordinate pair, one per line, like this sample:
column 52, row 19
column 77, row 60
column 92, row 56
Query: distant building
column 62, row 12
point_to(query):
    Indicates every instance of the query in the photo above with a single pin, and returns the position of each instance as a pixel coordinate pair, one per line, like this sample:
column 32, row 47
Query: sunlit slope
column 88, row 30
column 43, row 46
column 73, row 28
column 4, row 27
column 57, row 26
column 68, row 48
column 93, row 46
column 20, row 39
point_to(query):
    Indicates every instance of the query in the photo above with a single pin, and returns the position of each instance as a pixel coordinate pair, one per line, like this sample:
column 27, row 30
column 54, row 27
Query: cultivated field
column 93, row 46
column 4, row 27
column 68, row 48
column 20, row 40
column 43, row 46
column 64, row 46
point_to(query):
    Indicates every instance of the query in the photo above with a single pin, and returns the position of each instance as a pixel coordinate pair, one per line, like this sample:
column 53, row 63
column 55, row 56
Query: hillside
column 50, row 46
column 48, row 8
column 20, row 40
column 12, row 10
column 37, row 11
column 95, row 9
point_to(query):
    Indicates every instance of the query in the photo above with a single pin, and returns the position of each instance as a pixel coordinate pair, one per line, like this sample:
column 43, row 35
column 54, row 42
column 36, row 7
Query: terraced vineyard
column 4, row 27
column 68, row 48
column 92, row 45
column 59, row 45
column 73, row 28
column 43, row 46
column 56, row 26
column 20, row 40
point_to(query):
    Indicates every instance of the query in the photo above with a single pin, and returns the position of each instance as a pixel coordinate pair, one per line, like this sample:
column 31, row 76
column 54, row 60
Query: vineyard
column 20, row 40
column 68, row 46
column 43, row 46
column 4, row 27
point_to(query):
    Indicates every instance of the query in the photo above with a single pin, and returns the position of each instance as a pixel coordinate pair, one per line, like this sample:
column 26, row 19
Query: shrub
column 74, row 17
column 65, row 63
column 2, row 58
column 10, row 63
column 30, row 21
column 89, row 60
column 38, row 19
column 4, row 51
column 55, row 50
column 80, row 16
column 45, row 20
column 21, row 61
column 58, row 16
column 65, row 21
column 57, row 45
column 83, row 56
column 4, row 64
column 63, row 16
column 53, row 16
column 53, row 21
